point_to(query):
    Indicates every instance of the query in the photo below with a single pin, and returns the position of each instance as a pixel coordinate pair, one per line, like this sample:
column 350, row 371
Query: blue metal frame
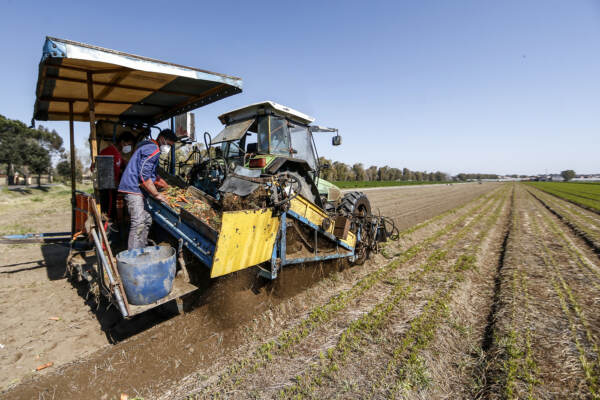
column 279, row 259
column 204, row 249
column 200, row 246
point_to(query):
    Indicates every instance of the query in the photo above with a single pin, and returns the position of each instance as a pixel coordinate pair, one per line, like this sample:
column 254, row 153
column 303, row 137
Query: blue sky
column 457, row 86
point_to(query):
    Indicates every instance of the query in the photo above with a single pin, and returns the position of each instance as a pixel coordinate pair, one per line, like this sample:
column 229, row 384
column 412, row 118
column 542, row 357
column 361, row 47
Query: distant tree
column 63, row 168
column 21, row 146
column 567, row 174
column 38, row 160
column 372, row 173
column 359, row 172
column 341, row 170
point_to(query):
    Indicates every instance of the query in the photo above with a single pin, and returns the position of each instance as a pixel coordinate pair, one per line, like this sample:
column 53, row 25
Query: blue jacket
column 141, row 167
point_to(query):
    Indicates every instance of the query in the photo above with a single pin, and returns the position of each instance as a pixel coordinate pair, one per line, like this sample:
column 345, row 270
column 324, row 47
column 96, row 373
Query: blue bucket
column 147, row 274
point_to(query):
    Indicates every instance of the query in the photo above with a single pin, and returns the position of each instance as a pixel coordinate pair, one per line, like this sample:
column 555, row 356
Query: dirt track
column 230, row 316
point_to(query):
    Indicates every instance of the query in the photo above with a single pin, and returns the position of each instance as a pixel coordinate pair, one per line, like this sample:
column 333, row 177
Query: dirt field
column 489, row 293
column 34, row 290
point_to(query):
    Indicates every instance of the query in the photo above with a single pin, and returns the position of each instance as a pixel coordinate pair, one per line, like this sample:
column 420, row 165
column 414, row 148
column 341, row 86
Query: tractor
column 255, row 198
column 272, row 139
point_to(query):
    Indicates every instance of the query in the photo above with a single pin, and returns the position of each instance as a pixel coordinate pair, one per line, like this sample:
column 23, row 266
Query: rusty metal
column 111, row 260
column 73, row 175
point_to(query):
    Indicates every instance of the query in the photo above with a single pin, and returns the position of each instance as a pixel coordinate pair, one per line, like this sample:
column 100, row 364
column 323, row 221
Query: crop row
column 323, row 313
column 422, row 330
column 575, row 315
column 577, row 221
column 370, row 323
column 515, row 343
column 585, row 195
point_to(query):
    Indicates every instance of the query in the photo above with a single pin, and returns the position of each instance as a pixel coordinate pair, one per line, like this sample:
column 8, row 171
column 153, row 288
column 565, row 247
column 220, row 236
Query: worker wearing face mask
column 139, row 174
column 123, row 146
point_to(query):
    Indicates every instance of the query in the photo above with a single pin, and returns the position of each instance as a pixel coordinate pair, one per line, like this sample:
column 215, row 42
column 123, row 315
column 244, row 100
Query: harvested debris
column 178, row 198
column 255, row 200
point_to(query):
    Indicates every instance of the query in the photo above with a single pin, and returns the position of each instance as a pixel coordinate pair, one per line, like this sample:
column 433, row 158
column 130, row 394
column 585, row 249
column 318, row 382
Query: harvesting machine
column 252, row 198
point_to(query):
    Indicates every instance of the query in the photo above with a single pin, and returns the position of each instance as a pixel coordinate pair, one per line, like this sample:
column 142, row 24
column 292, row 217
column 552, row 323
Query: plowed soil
column 320, row 331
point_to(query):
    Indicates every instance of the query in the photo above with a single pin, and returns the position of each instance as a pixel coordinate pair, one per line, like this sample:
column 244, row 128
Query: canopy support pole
column 73, row 175
column 94, row 144
column 173, row 158
column 92, row 110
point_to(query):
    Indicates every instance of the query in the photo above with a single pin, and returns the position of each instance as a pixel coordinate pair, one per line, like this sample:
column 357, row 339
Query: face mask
column 165, row 148
column 126, row 149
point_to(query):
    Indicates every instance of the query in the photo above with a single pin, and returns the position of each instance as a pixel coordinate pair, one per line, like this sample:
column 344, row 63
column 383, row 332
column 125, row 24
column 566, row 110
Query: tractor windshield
column 273, row 136
column 263, row 135
column 302, row 145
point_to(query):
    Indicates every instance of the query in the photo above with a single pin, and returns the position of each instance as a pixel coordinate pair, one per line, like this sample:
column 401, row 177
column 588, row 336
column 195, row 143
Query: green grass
column 368, row 184
column 583, row 194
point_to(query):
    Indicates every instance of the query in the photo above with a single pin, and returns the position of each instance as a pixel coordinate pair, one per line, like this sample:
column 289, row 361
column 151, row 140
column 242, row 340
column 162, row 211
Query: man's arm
column 151, row 189
column 148, row 174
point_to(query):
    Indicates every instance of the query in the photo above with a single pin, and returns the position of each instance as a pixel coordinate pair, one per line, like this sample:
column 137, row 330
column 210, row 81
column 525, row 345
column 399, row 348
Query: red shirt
column 117, row 160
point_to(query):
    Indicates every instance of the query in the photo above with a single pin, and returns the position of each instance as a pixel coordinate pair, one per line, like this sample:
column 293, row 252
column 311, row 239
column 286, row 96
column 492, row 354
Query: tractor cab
column 270, row 138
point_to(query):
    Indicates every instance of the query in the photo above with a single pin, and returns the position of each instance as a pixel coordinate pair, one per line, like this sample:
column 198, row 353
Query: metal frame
column 200, row 246
column 204, row 249
column 279, row 259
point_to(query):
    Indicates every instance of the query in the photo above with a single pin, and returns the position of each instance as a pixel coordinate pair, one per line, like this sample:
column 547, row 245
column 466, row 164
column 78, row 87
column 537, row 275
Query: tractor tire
column 355, row 203
column 307, row 189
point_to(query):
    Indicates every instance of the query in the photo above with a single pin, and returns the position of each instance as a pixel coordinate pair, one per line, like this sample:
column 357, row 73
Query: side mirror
column 336, row 140
column 324, row 166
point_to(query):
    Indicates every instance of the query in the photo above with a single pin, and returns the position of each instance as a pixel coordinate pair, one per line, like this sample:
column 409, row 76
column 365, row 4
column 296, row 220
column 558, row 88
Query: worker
column 123, row 146
column 139, row 174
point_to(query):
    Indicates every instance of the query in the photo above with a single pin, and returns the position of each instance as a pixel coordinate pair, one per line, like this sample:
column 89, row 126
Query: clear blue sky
column 457, row 86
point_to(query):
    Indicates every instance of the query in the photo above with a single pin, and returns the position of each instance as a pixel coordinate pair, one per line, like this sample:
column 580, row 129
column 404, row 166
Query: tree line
column 26, row 150
column 339, row 171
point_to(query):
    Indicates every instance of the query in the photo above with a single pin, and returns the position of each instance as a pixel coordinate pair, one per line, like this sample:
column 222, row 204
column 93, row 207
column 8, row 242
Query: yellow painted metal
column 316, row 215
column 246, row 239
column 309, row 211
column 350, row 239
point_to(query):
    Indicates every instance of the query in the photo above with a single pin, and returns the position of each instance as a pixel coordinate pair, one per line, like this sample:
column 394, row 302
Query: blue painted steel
column 317, row 258
column 204, row 249
column 147, row 274
column 54, row 49
column 279, row 259
column 318, row 228
column 37, row 235
column 200, row 246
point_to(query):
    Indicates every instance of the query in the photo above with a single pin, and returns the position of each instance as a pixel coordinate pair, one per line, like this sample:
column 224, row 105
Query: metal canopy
column 124, row 87
column 234, row 131
column 262, row 107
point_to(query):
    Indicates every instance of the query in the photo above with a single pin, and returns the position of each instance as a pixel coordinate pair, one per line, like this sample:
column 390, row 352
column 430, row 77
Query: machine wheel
column 356, row 204
column 307, row 189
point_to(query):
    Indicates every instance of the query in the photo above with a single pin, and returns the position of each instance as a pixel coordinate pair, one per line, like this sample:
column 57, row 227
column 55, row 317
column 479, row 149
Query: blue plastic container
column 147, row 274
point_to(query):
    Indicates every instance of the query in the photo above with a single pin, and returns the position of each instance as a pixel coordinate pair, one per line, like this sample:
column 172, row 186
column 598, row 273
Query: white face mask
column 165, row 148
column 126, row 149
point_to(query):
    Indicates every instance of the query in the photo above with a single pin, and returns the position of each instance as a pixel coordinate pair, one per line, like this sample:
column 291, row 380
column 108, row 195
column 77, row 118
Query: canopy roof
column 263, row 107
column 126, row 87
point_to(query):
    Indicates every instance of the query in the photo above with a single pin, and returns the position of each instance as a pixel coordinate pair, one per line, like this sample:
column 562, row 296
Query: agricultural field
column 583, row 194
column 489, row 292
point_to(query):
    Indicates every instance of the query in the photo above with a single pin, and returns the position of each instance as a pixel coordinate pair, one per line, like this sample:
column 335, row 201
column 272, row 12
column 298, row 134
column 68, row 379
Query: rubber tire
column 307, row 189
column 354, row 203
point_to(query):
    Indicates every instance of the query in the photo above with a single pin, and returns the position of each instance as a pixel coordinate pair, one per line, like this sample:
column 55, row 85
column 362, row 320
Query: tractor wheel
column 307, row 189
column 356, row 204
